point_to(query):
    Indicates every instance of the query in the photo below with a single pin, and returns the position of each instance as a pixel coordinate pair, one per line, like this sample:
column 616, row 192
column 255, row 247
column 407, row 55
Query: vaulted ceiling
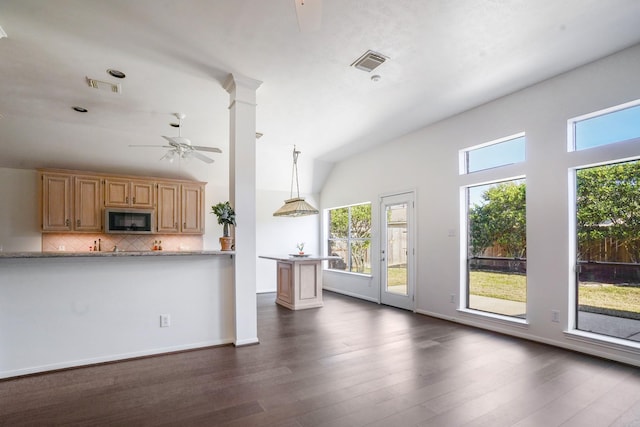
column 444, row 57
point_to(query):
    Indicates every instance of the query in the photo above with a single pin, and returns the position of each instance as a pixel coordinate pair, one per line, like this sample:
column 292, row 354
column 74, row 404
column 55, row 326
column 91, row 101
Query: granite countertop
column 62, row 254
column 294, row 257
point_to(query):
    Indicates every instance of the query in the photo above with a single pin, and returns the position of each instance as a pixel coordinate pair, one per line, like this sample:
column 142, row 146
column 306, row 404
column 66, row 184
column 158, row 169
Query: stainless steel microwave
column 128, row 221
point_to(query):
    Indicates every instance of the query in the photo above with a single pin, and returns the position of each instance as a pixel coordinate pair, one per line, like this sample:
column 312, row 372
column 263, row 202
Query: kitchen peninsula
column 64, row 309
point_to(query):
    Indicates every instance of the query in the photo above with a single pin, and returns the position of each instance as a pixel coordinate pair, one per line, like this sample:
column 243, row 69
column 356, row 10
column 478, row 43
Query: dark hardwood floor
column 350, row 363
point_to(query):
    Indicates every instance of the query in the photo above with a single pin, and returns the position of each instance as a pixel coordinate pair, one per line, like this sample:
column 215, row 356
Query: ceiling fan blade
column 201, row 157
column 309, row 14
column 177, row 139
column 153, row 146
column 209, row 149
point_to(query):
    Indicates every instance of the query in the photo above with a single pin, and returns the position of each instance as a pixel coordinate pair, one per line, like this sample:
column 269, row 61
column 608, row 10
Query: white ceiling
column 446, row 56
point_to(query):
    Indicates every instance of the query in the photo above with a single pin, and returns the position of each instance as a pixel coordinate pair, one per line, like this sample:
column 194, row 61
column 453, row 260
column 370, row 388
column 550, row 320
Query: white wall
column 279, row 235
column 427, row 161
column 19, row 228
column 62, row 312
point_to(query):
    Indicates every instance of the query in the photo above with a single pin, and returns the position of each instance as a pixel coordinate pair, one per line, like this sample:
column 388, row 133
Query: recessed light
column 79, row 109
column 375, row 78
column 116, row 73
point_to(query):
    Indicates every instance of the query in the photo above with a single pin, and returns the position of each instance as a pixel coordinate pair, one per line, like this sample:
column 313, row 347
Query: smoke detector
column 106, row 86
column 369, row 61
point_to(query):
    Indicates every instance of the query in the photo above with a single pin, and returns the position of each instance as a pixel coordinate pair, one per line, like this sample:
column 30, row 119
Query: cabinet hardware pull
column 176, row 225
column 67, row 222
column 77, row 223
column 134, row 200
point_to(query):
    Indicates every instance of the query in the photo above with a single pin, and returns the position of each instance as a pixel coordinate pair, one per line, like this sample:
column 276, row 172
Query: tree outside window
column 350, row 238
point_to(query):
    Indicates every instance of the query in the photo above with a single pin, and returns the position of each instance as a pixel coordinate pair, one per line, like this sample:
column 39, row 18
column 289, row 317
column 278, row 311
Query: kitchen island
column 299, row 280
column 65, row 309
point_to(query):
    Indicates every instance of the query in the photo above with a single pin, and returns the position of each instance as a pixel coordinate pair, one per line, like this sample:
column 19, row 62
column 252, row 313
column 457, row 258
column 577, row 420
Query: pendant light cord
column 294, row 172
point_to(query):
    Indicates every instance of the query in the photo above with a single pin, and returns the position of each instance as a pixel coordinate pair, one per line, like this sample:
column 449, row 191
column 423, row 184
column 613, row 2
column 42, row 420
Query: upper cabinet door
column 56, row 202
column 116, row 193
column 142, row 194
column 87, row 204
column 168, row 212
column 192, row 209
column 126, row 193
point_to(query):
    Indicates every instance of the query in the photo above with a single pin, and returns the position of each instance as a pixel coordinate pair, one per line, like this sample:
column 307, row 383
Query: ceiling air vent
column 369, row 61
column 109, row 87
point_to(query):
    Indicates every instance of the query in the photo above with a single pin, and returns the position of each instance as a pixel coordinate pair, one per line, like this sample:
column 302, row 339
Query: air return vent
column 369, row 61
column 109, row 87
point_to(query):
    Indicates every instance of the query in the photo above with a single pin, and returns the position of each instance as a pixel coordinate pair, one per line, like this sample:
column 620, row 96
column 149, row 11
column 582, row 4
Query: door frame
column 400, row 301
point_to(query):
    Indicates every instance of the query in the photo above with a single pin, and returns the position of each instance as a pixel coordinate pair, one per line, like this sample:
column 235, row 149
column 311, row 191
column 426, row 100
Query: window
column 608, row 249
column 496, row 229
column 497, row 248
column 502, row 152
column 607, row 226
column 350, row 238
column 596, row 129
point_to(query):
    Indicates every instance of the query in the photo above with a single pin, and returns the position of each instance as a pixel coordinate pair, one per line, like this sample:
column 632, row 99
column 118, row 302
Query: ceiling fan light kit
column 295, row 206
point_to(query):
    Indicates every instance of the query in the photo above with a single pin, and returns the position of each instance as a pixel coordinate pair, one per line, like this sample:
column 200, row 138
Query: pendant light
column 295, row 206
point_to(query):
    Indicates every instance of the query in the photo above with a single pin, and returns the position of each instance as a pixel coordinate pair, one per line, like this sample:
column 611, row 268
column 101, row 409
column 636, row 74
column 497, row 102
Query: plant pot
column 226, row 243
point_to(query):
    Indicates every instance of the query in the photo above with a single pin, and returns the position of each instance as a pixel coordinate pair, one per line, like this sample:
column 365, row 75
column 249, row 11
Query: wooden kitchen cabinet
column 168, row 211
column 71, row 203
column 127, row 193
column 74, row 201
column 180, row 208
column 56, row 212
column 87, row 204
column 192, row 203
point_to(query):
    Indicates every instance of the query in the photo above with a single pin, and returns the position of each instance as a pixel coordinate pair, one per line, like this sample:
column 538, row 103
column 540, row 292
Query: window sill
column 495, row 318
column 603, row 341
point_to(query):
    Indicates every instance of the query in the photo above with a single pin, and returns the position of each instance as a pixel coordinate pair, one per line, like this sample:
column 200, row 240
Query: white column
column 242, row 195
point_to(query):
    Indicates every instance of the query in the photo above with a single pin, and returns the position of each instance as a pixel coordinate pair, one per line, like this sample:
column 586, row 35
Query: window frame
column 571, row 126
column 606, row 154
column 503, row 173
column 464, row 154
column 348, row 240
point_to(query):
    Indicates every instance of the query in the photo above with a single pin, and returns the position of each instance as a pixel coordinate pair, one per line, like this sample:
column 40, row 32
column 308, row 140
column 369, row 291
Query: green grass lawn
column 397, row 277
column 513, row 287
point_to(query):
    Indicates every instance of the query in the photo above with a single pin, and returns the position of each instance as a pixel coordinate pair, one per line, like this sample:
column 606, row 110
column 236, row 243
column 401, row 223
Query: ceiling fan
column 181, row 147
column 309, row 14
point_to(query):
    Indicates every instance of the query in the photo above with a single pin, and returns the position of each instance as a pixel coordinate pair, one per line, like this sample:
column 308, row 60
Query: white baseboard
column 519, row 333
column 351, row 294
column 109, row 358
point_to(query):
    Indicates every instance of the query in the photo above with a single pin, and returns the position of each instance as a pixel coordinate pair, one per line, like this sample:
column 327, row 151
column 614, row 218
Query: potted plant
column 226, row 216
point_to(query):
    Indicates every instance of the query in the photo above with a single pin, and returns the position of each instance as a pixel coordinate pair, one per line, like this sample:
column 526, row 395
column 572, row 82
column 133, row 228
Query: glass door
column 397, row 251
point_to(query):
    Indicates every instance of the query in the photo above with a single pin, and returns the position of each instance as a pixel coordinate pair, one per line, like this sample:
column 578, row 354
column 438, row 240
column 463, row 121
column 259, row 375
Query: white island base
column 299, row 281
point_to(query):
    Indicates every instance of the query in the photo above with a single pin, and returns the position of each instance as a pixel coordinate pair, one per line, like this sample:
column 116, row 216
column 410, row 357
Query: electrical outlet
column 165, row 320
column 555, row 316
column 452, row 298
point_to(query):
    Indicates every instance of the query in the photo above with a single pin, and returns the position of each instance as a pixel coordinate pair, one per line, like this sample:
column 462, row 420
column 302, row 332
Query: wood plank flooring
column 350, row 363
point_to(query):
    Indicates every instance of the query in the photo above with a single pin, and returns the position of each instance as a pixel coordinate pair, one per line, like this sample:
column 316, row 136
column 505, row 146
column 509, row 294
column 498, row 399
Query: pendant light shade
column 295, row 206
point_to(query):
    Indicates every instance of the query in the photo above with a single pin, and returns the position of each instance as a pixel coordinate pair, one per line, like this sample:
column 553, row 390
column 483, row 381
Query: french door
column 397, row 273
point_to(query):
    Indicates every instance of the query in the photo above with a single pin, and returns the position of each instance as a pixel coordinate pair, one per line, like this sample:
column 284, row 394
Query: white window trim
column 571, row 123
column 462, row 154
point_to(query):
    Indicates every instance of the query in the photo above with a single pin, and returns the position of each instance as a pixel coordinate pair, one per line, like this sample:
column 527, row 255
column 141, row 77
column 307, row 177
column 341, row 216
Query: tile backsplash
column 55, row 242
